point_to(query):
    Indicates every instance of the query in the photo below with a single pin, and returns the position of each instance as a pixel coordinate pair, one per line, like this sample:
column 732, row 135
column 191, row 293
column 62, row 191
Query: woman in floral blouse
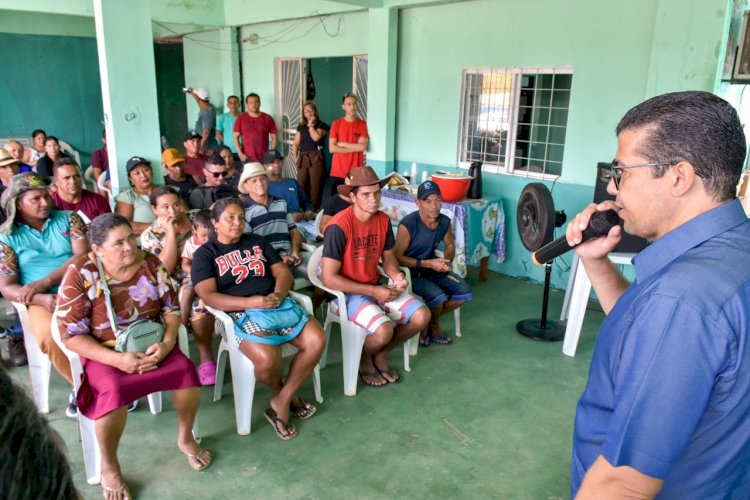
column 141, row 288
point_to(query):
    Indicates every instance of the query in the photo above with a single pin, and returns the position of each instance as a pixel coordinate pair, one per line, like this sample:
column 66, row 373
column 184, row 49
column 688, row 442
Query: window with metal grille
column 514, row 120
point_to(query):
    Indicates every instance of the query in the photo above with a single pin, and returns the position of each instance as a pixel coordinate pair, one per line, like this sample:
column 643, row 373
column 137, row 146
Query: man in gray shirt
column 205, row 125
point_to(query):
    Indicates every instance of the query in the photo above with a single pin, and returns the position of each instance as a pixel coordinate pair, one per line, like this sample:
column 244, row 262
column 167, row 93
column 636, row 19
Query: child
column 202, row 229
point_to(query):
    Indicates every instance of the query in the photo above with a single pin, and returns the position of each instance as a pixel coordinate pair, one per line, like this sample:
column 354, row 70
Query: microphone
column 599, row 225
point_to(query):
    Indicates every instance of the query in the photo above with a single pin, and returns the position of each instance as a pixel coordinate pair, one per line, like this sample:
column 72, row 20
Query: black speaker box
column 629, row 243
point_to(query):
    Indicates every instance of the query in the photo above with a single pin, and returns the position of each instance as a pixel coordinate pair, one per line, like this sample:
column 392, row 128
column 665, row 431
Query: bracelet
column 419, row 263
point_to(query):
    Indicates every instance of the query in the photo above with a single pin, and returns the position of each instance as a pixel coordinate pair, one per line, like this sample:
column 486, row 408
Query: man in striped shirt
column 269, row 217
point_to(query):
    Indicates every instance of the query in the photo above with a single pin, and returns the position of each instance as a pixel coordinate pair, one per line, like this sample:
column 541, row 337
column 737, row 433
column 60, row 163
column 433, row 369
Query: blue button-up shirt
column 669, row 385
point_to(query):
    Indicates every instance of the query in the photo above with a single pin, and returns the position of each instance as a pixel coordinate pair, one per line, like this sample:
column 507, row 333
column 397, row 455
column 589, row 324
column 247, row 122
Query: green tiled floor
column 489, row 417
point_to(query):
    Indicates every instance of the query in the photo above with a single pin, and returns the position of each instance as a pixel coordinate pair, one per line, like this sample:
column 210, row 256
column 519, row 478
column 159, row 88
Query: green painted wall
column 46, row 24
column 56, row 81
column 333, row 78
column 202, row 54
column 621, row 52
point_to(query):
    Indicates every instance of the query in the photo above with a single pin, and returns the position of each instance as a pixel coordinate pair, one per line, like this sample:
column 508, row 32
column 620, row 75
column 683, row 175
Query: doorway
column 323, row 80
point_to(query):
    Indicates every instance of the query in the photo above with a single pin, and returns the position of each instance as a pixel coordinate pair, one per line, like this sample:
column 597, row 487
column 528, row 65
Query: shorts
column 366, row 313
column 436, row 288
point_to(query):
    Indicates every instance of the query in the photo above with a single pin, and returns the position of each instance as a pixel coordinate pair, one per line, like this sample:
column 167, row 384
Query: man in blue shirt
column 298, row 204
column 666, row 410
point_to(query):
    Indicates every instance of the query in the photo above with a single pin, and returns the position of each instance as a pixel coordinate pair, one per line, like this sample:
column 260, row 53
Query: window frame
column 517, row 74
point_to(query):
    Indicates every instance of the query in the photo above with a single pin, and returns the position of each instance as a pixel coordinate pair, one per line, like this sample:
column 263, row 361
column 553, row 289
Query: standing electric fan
column 537, row 220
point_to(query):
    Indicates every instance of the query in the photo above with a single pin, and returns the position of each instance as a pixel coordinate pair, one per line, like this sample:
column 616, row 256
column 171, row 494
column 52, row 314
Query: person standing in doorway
column 307, row 153
column 254, row 132
column 347, row 142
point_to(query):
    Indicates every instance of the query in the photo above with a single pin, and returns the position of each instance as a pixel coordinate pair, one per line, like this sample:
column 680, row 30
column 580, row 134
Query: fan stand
column 542, row 330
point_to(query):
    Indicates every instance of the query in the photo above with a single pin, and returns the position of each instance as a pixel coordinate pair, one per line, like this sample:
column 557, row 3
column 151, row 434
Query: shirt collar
column 686, row 237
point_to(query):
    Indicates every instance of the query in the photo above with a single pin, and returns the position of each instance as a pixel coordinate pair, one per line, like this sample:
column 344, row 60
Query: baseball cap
column 192, row 135
column 134, row 162
column 201, row 93
column 171, row 156
column 426, row 189
column 271, row 155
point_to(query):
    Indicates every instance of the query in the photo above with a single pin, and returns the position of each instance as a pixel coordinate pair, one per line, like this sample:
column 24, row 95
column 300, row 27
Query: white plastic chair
column 105, row 191
column 88, row 179
column 92, row 457
column 352, row 336
column 68, row 149
column 414, row 341
column 39, row 364
column 243, row 370
column 318, row 221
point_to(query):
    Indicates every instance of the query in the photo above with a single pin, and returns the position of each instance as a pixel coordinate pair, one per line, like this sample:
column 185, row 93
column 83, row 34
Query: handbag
column 138, row 336
column 288, row 315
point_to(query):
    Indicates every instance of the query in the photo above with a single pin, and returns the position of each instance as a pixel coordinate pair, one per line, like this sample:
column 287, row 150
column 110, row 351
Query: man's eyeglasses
column 617, row 169
column 218, row 174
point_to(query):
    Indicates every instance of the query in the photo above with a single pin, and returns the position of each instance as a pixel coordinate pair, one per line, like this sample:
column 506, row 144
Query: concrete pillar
column 382, row 59
column 230, row 65
column 126, row 65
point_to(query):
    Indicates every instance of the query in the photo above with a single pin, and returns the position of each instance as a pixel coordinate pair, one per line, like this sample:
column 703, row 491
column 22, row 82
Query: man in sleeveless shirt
column 419, row 235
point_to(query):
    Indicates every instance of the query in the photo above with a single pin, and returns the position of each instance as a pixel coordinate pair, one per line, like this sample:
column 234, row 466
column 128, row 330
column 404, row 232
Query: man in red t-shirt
column 70, row 194
column 356, row 239
column 194, row 161
column 252, row 130
column 347, row 142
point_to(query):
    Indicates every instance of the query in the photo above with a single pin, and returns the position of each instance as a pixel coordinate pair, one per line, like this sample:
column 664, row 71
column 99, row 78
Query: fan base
column 554, row 331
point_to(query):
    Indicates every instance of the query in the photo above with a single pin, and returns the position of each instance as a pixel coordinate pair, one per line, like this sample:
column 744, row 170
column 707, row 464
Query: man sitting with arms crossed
column 70, row 194
column 419, row 234
column 666, row 407
column 356, row 239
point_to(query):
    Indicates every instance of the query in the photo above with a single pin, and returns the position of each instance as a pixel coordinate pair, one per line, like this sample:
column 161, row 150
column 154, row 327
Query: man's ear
column 683, row 177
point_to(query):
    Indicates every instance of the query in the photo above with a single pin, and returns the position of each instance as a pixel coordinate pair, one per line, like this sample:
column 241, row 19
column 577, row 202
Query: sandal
column 122, row 490
column 390, row 375
column 440, row 340
column 282, row 429
column 200, row 460
column 303, row 410
column 424, row 340
column 369, row 381
column 207, row 373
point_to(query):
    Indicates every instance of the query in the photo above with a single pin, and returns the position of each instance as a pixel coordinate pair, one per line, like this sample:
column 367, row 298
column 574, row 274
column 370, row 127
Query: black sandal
column 303, row 410
column 274, row 420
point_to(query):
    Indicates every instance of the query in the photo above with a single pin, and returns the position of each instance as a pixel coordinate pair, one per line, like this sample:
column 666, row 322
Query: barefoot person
column 419, row 234
column 356, row 239
column 140, row 288
column 243, row 275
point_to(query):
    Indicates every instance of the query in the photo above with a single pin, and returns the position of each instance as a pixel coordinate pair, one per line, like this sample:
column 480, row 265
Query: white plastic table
column 577, row 298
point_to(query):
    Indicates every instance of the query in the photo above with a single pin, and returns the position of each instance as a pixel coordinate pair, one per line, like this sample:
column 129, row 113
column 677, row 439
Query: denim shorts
column 436, row 288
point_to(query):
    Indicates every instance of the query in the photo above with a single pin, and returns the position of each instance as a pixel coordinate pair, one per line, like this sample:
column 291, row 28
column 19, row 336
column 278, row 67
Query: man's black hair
column 694, row 126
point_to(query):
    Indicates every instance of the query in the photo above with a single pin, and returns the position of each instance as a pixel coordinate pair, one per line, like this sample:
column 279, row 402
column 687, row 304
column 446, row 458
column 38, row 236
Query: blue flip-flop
column 424, row 341
column 434, row 339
